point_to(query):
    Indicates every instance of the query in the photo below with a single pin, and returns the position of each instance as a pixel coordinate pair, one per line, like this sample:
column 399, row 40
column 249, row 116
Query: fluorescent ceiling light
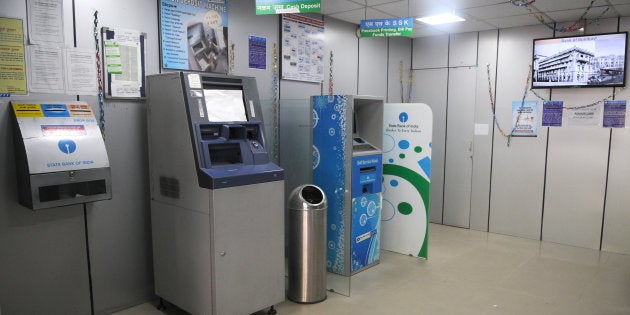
column 440, row 19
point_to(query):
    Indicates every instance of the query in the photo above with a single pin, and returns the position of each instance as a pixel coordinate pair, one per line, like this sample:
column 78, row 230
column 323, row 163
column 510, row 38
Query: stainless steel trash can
column 307, row 245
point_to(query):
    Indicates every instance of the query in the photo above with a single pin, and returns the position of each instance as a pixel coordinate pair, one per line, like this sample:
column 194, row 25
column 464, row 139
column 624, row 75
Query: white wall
column 565, row 185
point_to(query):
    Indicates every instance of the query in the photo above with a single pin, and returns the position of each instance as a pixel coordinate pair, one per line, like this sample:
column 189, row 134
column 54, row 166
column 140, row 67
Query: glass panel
column 296, row 157
column 271, row 130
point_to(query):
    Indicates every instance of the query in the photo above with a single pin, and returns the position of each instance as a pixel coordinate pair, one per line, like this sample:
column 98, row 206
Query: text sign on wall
column 287, row 6
column 387, row 27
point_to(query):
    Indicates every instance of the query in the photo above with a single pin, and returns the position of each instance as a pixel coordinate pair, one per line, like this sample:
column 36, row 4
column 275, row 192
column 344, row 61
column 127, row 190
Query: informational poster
column 287, row 6
column 45, row 22
column 302, row 48
column 614, row 114
column 257, row 52
column 45, row 71
column 194, row 35
column 552, row 114
column 123, row 60
column 387, row 27
column 81, row 74
column 12, row 65
column 525, row 118
column 587, row 116
column 407, row 143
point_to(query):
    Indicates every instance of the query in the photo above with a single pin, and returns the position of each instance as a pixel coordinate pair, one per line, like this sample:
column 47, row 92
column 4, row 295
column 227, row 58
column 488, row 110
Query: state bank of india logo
column 403, row 117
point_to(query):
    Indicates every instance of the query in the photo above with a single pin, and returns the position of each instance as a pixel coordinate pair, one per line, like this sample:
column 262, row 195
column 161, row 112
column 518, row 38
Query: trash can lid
column 307, row 197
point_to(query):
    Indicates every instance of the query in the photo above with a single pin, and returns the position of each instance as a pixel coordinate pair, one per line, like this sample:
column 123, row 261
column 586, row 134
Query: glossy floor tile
column 472, row 272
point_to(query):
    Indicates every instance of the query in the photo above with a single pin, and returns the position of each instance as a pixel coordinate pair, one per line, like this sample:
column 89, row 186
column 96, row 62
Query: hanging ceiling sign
column 387, row 27
column 287, row 6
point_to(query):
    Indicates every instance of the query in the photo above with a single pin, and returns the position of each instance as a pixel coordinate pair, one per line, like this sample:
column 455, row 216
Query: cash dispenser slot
column 367, row 169
column 72, row 190
column 225, row 153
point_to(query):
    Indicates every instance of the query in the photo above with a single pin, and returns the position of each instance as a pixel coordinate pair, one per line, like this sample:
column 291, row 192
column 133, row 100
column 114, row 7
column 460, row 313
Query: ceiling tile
column 355, row 16
column 426, row 8
column 513, row 21
column 465, row 4
column 397, row 9
column 495, row 11
column 572, row 15
column 557, row 5
column 373, row 2
column 336, row 6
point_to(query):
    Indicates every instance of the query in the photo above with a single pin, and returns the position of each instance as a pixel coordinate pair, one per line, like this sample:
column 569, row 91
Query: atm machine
column 60, row 155
column 347, row 165
column 216, row 199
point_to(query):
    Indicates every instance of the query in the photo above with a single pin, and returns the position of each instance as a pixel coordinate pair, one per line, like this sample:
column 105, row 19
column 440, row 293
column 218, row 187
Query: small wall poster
column 525, row 118
column 552, row 114
column 257, row 52
column 615, row 114
column 587, row 116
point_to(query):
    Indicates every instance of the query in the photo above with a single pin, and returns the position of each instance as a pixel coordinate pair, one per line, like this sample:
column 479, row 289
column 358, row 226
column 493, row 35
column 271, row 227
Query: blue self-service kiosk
column 217, row 202
column 347, row 165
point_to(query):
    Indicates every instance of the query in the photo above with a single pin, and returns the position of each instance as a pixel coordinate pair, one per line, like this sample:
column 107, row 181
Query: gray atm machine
column 216, row 199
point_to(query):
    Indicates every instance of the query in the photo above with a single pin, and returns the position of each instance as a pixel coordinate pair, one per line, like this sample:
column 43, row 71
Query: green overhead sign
column 287, row 6
column 387, row 27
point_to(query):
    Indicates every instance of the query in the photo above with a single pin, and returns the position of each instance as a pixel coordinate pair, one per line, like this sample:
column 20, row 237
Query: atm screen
column 224, row 105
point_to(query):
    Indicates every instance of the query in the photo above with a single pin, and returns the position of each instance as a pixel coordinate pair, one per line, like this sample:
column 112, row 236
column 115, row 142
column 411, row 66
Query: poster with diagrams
column 302, row 48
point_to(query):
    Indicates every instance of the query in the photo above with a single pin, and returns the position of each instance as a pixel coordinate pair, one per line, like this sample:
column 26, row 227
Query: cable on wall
column 330, row 75
column 99, row 71
column 274, row 102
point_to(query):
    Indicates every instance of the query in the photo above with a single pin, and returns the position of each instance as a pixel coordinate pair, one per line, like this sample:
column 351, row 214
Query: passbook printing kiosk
column 60, row 155
column 347, row 165
column 216, row 199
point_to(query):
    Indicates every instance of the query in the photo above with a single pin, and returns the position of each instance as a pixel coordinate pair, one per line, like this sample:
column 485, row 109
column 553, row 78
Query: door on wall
column 459, row 147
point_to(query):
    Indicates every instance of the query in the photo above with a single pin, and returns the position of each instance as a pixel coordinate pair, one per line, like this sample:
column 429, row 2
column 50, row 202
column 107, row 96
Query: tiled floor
column 472, row 272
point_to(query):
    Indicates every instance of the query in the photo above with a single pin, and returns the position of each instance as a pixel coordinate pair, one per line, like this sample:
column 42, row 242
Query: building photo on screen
column 580, row 61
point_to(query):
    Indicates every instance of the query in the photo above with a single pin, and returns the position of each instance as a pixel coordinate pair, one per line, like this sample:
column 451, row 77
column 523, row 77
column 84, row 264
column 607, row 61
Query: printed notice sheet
column 45, row 71
column 81, row 72
column 12, row 67
column 45, row 21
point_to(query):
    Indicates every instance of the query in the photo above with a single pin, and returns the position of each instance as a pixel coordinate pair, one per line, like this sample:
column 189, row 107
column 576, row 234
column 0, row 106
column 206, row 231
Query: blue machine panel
column 329, row 171
column 367, row 172
column 366, row 234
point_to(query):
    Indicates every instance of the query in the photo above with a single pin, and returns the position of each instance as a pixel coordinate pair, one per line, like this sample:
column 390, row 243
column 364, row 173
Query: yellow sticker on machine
column 28, row 110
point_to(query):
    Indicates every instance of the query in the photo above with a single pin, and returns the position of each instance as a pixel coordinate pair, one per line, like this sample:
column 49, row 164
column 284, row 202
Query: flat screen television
column 580, row 61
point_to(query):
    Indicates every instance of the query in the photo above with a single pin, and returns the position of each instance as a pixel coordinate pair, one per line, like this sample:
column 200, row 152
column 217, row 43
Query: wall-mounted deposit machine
column 217, row 202
column 347, row 165
column 60, row 154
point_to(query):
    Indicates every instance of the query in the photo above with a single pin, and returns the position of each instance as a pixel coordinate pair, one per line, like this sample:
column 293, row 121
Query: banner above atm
column 287, row 6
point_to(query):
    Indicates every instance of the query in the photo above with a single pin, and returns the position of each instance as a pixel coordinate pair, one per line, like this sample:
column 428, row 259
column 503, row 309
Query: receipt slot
column 347, row 165
column 60, row 155
column 217, row 202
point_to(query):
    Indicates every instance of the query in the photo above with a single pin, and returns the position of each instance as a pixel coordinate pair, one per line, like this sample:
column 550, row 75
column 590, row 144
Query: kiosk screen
column 224, row 105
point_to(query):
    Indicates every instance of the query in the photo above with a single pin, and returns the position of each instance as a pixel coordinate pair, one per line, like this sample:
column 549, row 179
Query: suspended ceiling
column 479, row 14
